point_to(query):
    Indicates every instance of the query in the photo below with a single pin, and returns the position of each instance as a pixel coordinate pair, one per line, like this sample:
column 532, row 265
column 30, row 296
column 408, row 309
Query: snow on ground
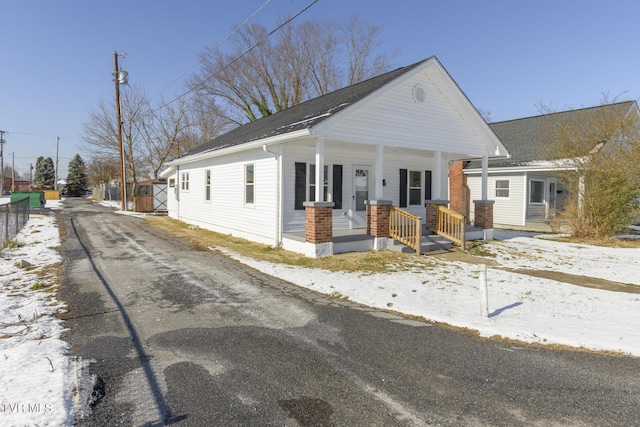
column 36, row 374
column 34, row 364
column 521, row 307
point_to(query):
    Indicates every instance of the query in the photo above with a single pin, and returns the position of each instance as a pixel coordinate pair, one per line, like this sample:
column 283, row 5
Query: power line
column 240, row 56
column 235, row 30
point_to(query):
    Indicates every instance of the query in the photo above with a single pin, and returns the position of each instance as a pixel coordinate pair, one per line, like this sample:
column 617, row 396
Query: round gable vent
column 419, row 94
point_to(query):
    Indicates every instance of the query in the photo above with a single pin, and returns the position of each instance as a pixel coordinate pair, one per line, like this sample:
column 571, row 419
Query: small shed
column 150, row 195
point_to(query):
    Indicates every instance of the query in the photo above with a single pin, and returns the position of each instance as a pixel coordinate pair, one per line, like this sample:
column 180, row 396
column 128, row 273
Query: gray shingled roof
column 524, row 137
column 301, row 116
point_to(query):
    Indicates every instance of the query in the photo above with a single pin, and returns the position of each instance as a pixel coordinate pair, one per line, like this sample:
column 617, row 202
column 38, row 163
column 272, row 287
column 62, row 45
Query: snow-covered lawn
column 521, row 307
column 37, row 377
column 35, row 369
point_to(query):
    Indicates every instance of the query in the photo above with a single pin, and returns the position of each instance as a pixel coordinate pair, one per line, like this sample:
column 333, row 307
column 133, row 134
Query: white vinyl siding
column 506, row 210
column 227, row 213
column 434, row 124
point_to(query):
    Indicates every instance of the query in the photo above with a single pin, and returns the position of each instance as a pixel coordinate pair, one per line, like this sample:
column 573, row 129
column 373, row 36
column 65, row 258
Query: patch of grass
column 362, row 262
column 339, row 296
column 12, row 244
column 38, row 286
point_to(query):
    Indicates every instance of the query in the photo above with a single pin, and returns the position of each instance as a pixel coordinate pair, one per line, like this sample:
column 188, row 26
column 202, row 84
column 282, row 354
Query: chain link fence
column 13, row 216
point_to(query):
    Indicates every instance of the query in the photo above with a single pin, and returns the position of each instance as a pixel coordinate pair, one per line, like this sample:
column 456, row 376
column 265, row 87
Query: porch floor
column 339, row 236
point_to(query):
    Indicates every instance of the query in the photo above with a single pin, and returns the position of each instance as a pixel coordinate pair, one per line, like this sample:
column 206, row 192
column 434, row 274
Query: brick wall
column 459, row 191
column 483, row 213
column 378, row 219
column 319, row 224
column 432, row 212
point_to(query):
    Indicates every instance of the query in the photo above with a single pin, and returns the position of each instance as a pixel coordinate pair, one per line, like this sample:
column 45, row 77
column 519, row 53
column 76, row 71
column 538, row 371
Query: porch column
column 485, row 176
column 319, row 170
column 319, row 227
column 432, row 205
column 483, row 215
column 378, row 217
column 437, row 179
column 379, row 176
column 432, row 213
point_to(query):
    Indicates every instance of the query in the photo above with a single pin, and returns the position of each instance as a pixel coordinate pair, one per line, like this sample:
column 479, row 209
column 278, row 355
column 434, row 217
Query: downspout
column 278, row 229
column 176, row 191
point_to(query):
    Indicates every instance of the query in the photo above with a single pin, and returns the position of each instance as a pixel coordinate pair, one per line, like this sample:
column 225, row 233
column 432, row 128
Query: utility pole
column 55, row 182
column 13, row 172
column 1, row 164
column 116, row 79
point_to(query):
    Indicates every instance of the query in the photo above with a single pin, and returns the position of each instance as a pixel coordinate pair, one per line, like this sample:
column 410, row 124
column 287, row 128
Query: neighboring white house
column 524, row 187
column 387, row 140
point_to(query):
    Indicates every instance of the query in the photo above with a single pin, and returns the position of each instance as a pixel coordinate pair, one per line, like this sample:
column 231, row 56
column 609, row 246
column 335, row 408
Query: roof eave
column 276, row 139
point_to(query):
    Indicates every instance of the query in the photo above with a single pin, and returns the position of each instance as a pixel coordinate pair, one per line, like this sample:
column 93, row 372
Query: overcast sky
column 507, row 56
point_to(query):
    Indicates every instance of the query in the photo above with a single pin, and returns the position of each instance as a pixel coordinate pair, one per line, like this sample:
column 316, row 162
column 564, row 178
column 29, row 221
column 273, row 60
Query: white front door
column 361, row 180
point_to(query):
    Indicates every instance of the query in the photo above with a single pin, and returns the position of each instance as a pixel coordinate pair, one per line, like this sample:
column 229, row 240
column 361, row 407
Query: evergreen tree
column 45, row 174
column 77, row 178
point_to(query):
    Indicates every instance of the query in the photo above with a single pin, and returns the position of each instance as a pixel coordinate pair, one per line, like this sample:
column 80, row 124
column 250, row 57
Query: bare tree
column 597, row 151
column 362, row 41
column 101, row 131
column 263, row 74
column 164, row 132
column 150, row 137
column 101, row 172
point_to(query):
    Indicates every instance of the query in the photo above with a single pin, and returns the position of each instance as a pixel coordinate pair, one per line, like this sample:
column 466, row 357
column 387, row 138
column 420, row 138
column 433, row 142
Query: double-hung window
column 249, row 184
column 207, row 185
column 312, row 183
column 184, row 181
column 502, row 188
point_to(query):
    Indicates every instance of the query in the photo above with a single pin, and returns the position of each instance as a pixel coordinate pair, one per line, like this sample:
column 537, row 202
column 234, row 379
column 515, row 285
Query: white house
column 524, row 187
column 301, row 177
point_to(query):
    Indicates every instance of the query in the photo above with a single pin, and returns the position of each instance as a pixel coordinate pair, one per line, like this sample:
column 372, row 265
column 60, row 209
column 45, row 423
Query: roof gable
column 302, row 116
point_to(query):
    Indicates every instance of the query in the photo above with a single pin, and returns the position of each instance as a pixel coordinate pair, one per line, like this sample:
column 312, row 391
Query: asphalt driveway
column 176, row 335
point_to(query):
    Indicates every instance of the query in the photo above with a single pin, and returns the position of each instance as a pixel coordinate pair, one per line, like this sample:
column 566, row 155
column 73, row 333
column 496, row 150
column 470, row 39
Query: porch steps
column 430, row 243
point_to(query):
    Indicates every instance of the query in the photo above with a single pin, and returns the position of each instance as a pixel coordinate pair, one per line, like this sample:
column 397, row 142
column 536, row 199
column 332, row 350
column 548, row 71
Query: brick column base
column 483, row 216
column 319, row 222
column 378, row 212
column 432, row 212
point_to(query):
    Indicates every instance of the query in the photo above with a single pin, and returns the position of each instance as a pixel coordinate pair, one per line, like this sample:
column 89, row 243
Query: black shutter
column 403, row 188
column 427, row 185
column 300, row 185
column 337, row 186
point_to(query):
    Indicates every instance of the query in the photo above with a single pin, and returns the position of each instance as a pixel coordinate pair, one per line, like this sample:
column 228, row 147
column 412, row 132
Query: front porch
column 387, row 228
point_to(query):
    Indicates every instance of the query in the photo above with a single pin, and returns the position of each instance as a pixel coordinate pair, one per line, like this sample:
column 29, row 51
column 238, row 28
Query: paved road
column 188, row 337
